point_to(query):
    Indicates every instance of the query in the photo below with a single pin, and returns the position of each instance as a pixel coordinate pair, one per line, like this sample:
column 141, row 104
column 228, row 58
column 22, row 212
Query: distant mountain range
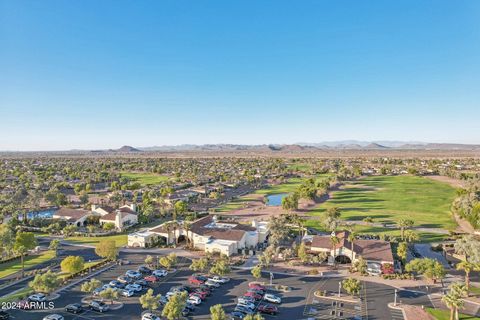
column 296, row 147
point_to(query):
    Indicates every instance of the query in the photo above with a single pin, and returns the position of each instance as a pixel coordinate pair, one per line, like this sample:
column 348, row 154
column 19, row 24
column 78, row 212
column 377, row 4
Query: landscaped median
column 15, row 266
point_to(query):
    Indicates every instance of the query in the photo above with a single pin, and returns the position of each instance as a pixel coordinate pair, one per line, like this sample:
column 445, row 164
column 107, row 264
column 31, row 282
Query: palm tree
column 334, row 241
column 467, row 267
column 168, row 227
column 463, row 246
column 351, row 237
column 187, row 228
column 453, row 300
column 404, row 224
column 175, row 226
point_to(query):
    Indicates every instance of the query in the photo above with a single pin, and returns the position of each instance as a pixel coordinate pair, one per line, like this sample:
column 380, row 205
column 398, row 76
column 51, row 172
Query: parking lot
column 227, row 294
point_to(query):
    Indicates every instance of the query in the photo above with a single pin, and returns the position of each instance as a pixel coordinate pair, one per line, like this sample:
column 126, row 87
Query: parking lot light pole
column 339, row 287
column 395, row 299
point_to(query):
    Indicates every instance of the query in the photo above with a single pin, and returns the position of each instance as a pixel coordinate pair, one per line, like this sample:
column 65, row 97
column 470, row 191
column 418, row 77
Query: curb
column 336, row 298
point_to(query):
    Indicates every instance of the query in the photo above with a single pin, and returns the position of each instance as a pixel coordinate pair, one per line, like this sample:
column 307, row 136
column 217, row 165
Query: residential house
column 123, row 217
column 75, row 217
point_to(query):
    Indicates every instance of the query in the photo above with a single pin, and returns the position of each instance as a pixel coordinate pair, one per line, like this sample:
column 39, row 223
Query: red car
column 151, row 279
column 201, row 295
column 268, row 308
column 256, row 286
column 253, row 295
column 195, row 280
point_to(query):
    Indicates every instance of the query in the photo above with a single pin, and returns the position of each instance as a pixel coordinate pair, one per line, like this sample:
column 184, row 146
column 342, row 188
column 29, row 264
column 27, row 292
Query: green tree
column 69, row 230
column 454, row 299
column 90, row 286
column 174, row 307
column 109, row 294
column 149, row 301
column 72, row 264
column 217, row 312
column 199, row 265
column 107, row 249
column 404, row 224
column 180, row 207
column 302, row 252
column 24, row 241
column 168, row 261
column 220, row 267
column 411, row 236
column 402, row 250
column 429, row 268
column 333, row 212
column 46, row 282
column 467, row 267
column 54, row 244
column 108, row 226
column 256, row 316
column 257, row 271
column 7, row 239
column 351, row 285
column 149, row 260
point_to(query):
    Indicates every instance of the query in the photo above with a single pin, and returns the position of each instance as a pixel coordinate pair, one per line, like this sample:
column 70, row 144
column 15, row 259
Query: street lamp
column 395, row 299
column 339, row 287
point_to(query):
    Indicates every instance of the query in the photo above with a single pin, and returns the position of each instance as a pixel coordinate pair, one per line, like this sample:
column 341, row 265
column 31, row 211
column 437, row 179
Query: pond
column 274, row 200
column 48, row 213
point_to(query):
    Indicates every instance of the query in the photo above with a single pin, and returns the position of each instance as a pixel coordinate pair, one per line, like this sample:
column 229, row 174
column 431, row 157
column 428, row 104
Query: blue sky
column 101, row 74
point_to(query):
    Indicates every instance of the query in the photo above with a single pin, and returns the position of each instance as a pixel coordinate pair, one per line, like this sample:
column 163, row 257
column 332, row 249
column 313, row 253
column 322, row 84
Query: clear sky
column 101, row 74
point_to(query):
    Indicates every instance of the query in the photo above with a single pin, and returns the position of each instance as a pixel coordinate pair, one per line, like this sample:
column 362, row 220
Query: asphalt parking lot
column 296, row 304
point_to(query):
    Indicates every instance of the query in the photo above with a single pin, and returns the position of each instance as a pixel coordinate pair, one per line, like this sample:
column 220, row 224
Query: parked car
column 151, row 279
column 272, row 298
column 259, row 292
column 163, row 300
column 133, row 274
column 185, row 312
column 150, row 316
column 160, row 273
column 144, row 270
column 211, row 283
column 237, row 315
column 268, row 308
column 99, row 306
column 195, row 280
column 219, row 279
column 4, row 315
column 190, row 306
column 194, row 300
column 253, row 295
column 246, row 300
column 256, row 286
column 54, row 316
column 207, row 288
column 202, row 291
column 125, row 279
column 37, row 297
column 141, row 282
column 201, row 295
column 248, row 305
column 74, row 308
column 134, row 287
column 126, row 293
column 116, row 284
column 244, row 310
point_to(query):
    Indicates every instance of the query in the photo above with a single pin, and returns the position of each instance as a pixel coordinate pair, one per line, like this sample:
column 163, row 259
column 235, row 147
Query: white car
column 133, row 274
column 248, row 305
column 272, row 298
column 211, row 283
column 134, row 287
column 219, row 279
column 169, row 294
column 53, row 317
column 150, row 316
column 160, row 273
column 37, row 297
column 127, row 293
column 194, row 300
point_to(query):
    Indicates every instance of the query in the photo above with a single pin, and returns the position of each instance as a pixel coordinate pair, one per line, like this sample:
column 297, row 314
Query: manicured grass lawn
column 9, row 268
column 389, row 198
column 120, row 239
column 475, row 290
column 290, row 186
column 17, row 295
column 146, row 178
column 445, row 315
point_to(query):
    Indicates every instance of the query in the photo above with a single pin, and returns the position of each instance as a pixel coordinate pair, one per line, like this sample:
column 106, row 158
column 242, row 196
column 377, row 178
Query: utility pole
column 395, row 299
column 339, row 287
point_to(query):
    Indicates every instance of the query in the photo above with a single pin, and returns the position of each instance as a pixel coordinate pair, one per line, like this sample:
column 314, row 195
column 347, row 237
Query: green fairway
column 9, row 268
column 445, row 315
column 288, row 187
column 389, row 198
column 120, row 240
column 145, row 178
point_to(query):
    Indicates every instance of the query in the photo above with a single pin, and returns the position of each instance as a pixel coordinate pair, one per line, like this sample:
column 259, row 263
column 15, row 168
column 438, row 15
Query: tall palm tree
column 351, row 237
column 404, row 224
column 334, row 241
column 168, row 227
column 187, row 228
column 467, row 267
column 175, row 226
column 454, row 299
